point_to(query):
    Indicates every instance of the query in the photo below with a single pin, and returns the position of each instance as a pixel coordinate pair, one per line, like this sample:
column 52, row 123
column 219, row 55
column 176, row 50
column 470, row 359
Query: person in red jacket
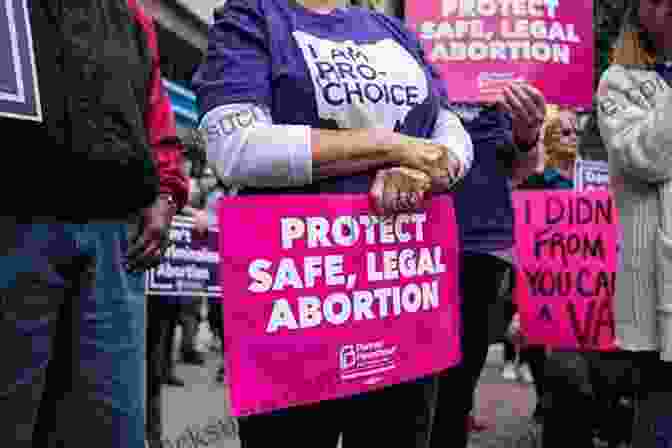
column 100, row 137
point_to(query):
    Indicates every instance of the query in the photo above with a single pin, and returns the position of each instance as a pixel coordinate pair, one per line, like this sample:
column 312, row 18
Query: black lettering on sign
column 581, row 327
column 591, row 326
column 580, row 210
column 553, row 244
column 545, row 313
column 547, row 283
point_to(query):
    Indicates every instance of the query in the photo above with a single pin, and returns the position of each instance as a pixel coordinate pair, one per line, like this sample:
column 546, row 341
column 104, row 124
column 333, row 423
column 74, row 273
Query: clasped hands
column 426, row 166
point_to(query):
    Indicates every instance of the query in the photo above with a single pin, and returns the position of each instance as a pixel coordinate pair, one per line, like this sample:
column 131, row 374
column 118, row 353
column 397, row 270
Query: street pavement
column 196, row 416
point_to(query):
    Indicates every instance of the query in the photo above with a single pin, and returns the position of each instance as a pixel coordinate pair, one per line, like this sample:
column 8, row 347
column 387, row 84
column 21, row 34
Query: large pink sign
column 481, row 45
column 324, row 300
column 566, row 248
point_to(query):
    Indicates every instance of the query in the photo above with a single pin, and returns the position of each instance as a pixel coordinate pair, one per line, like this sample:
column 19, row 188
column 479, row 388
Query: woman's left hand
column 399, row 190
column 527, row 107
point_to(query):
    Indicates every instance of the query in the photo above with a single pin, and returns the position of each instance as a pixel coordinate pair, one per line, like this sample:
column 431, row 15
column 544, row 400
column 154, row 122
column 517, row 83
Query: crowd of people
column 307, row 97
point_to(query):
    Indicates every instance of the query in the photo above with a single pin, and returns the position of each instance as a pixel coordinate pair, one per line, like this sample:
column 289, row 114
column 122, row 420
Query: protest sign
column 591, row 175
column 481, row 45
column 566, row 247
column 190, row 265
column 19, row 93
column 325, row 300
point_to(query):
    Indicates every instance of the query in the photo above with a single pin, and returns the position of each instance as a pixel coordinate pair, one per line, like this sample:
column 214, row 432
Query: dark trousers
column 481, row 276
column 595, row 383
column 396, row 416
column 162, row 317
column 215, row 318
column 190, row 318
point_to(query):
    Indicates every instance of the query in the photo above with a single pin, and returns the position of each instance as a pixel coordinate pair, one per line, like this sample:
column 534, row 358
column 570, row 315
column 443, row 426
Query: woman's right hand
column 399, row 190
column 433, row 159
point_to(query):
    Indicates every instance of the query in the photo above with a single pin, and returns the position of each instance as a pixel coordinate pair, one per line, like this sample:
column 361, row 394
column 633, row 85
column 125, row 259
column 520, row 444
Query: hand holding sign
column 527, row 107
column 398, row 190
column 201, row 223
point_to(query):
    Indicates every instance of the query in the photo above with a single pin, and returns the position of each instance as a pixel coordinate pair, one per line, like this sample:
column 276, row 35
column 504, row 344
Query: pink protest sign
column 324, row 300
column 481, row 45
column 566, row 248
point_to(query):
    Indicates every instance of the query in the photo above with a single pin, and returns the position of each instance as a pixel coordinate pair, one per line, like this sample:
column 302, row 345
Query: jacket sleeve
column 160, row 122
column 633, row 107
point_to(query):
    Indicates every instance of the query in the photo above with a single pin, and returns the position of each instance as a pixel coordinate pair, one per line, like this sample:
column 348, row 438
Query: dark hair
column 634, row 46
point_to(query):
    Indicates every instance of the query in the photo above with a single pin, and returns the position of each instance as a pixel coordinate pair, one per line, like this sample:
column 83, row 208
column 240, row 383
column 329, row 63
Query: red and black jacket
column 107, row 144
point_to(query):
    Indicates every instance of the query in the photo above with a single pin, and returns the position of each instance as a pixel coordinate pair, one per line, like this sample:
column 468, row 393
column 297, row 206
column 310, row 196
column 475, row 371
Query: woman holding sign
column 505, row 138
column 635, row 108
column 310, row 98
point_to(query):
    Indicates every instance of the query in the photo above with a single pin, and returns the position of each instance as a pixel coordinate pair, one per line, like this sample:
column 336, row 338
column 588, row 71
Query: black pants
column 595, row 383
column 481, row 276
column 215, row 318
column 190, row 318
column 396, row 416
column 162, row 317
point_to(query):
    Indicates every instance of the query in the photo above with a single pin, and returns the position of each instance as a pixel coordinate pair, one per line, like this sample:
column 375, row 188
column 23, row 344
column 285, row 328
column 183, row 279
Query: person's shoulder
column 234, row 8
column 391, row 21
column 140, row 15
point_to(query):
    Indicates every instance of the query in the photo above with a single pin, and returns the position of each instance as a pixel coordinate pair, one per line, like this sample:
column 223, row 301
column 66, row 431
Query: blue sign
column 19, row 92
column 183, row 102
column 591, row 175
column 190, row 266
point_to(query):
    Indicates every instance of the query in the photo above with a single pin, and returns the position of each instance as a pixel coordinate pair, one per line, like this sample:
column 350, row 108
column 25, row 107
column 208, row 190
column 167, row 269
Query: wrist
column 526, row 146
column 385, row 145
column 169, row 199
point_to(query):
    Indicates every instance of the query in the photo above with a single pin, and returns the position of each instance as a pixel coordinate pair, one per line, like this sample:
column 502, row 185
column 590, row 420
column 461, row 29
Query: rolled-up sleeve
column 449, row 131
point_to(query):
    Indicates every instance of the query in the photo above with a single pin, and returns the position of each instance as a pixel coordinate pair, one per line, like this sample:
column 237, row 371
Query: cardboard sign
column 19, row 91
column 566, row 247
column 591, row 175
column 190, row 267
column 480, row 46
column 325, row 300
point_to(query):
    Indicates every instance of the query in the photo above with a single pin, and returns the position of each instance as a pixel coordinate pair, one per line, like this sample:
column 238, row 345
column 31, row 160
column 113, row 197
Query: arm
column 527, row 163
column 450, row 132
column 634, row 109
column 161, row 131
column 246, row 148
column 147, row 247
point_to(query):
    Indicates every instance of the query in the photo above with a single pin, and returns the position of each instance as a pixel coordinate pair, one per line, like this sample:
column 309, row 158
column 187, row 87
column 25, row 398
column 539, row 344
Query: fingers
column 520, row 101
column 147, row 252
column 376, row 193
column 398, row 190
column 535, row 95
column 391, row 192
column 526, row 104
